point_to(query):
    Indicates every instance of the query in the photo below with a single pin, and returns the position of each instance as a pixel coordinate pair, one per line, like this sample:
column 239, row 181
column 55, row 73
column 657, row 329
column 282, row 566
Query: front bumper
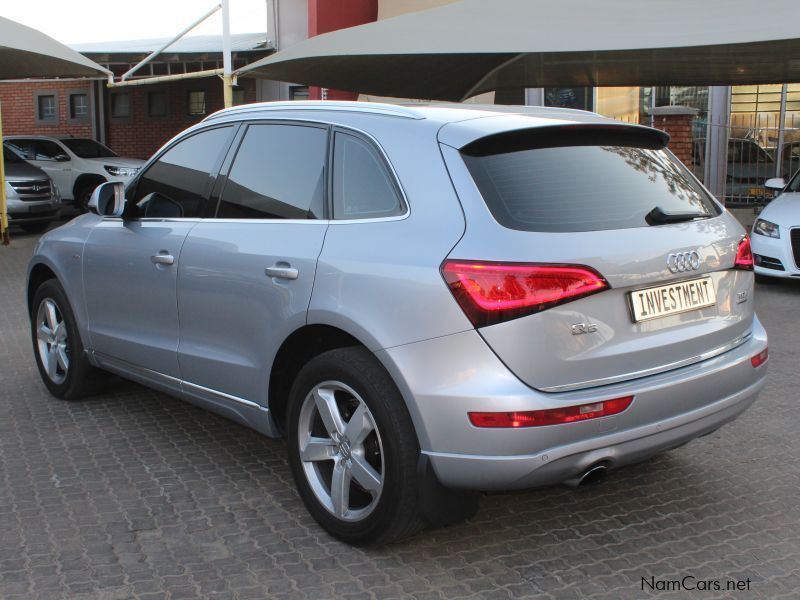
column 31, row 211
column 776, row 249
column 445, row 378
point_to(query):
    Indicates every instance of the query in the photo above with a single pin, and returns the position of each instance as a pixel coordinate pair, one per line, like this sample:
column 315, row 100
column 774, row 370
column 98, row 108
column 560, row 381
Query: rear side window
column 278, row 173
column 178, row 183
column 47, row 150
column 581, row 180
column 362, row 185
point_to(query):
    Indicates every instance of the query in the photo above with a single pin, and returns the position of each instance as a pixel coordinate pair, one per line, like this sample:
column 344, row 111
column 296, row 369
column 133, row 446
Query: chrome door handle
column 282, row 272
column 162, row 259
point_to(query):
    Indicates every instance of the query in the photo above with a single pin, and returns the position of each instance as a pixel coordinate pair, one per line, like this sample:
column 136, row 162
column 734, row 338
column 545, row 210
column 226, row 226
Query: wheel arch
column 84, row 180
column 297, row 349
column 39, row 273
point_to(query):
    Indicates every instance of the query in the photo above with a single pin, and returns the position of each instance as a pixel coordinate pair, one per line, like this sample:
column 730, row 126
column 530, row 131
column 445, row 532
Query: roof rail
column 391, row 110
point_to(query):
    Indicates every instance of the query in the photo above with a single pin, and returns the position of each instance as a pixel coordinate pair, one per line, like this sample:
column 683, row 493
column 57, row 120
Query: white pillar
column 718, row 128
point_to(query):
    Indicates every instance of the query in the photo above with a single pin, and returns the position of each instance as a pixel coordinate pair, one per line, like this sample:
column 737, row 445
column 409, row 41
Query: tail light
column 744, row 255
column 760, row 358
column 553, row 416
column 491, row 292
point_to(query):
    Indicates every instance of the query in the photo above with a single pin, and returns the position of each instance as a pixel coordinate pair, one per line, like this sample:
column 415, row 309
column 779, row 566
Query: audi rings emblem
column 681, row 262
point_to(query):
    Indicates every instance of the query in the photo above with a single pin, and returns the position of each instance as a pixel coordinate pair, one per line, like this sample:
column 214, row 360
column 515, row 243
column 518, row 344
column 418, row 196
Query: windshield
column 10, row 156
column 573, row 182
column 88, row 148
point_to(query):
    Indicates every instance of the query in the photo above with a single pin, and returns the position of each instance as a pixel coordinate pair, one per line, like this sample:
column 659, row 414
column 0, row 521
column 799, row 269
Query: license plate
column 671, row 299
column 758, row 192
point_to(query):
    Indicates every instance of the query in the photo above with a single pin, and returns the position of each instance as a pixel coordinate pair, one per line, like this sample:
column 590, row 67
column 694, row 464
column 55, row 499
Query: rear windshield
column 581, row 181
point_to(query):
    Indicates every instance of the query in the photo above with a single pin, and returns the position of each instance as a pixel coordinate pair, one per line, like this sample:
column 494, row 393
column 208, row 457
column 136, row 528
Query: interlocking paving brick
column 133, row 494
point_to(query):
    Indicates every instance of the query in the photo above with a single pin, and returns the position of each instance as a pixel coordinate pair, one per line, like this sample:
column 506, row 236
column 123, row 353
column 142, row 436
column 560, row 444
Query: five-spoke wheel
column 51, row 340
column 340, row 447
column 353, row 449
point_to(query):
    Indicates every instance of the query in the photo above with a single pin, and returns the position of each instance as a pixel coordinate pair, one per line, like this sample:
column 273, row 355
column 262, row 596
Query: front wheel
column 353, row 449
column 57, row 346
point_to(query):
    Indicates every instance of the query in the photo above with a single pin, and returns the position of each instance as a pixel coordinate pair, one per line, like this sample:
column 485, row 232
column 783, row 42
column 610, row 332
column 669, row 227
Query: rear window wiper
column 659, row 216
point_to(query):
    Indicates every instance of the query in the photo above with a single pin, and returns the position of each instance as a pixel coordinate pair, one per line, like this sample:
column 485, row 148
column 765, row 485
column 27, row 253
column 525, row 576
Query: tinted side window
column 47, row 150
column 23, row 147
column 278, row 173
column 178, row 183
column 362, row 185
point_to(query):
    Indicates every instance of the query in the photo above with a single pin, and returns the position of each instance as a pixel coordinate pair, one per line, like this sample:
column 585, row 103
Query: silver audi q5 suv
column 425, row 302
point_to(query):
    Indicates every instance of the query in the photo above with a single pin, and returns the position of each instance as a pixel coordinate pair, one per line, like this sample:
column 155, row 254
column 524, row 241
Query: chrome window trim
column 333, row 127
column 652, row 371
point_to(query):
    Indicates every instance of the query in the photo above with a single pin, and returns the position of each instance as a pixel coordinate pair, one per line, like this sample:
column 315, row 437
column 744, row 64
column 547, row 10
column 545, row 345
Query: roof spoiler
column 572, row 134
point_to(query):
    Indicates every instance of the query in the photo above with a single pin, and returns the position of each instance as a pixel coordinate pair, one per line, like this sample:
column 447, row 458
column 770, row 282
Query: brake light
column 760, row 358
column 744, row 255
column 491, row 292
column 553, row 416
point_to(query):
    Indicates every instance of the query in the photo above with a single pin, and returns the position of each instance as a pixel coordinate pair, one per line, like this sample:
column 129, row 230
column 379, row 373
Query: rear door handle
column 282, row 272
column 162, row 259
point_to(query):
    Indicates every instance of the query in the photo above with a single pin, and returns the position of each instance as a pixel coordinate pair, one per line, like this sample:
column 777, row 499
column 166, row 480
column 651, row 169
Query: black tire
column 81, row 379
column 396, row 513
column 34, row 227
column 82, row 197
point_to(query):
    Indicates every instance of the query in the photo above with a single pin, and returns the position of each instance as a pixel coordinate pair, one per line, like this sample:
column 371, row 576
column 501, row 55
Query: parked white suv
column 76, row 165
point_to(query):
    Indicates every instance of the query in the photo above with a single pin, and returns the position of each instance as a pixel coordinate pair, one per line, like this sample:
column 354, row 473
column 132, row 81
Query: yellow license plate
column 757, row 192
column 671, row 299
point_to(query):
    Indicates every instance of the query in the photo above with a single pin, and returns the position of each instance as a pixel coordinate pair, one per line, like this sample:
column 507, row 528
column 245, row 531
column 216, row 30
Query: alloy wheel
column 52, row 340
column 341, row 450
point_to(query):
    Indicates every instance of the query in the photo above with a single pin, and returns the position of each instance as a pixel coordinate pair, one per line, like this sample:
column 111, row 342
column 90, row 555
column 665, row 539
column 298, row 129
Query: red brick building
column 134, row 121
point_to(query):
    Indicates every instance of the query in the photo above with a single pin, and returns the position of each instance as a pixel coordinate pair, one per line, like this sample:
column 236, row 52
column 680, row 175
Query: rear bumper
column 444, row 379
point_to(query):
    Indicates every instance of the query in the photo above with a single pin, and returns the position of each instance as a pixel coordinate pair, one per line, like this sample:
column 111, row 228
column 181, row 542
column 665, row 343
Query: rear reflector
column 553, row 416
column 744, row 256
column 491, row 292
column 760, row 358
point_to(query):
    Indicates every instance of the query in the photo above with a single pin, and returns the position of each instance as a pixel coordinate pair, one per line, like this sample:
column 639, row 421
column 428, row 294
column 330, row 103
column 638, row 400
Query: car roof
column 454, row 124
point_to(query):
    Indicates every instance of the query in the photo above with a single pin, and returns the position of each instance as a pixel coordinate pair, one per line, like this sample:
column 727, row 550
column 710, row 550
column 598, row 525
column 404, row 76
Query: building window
column 78, row 106
column 120, row 105
column 196, row 103
column 157, row 104
column 47, row 108
column 298, row 92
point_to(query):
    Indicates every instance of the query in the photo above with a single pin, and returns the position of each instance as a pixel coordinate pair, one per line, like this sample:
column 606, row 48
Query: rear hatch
column 592, row 255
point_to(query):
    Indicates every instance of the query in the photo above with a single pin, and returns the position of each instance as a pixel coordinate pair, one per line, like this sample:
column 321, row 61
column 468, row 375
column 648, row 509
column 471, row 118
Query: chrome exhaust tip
column 592, row 475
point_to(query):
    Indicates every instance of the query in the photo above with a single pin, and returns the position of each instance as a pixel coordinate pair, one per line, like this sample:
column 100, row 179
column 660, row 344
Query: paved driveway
column 136, row 495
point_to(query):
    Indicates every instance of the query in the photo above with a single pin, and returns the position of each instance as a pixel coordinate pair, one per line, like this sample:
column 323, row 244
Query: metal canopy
column 474, row 46
column 25, row 52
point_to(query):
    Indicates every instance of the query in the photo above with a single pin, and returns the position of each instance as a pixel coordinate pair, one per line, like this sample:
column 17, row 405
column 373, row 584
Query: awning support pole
column 227, row 67
column 3, row 205
column 152, row 55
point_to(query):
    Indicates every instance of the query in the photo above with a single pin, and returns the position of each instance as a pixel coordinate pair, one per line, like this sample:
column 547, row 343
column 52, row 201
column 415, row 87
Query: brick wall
column 677, row 122
column 140, row 135
column 136, row 136
column 19, row 108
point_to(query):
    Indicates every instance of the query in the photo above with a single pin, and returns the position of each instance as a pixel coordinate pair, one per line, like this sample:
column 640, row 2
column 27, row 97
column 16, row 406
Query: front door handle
column 162, row 259
column 282, row 271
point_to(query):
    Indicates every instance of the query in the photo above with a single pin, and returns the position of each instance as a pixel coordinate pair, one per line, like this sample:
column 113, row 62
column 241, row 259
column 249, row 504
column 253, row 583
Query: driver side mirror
column 108, row 199
column 776, row 183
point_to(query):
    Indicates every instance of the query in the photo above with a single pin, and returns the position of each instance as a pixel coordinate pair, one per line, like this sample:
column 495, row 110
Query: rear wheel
column 57, row 346
column 353, row 449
